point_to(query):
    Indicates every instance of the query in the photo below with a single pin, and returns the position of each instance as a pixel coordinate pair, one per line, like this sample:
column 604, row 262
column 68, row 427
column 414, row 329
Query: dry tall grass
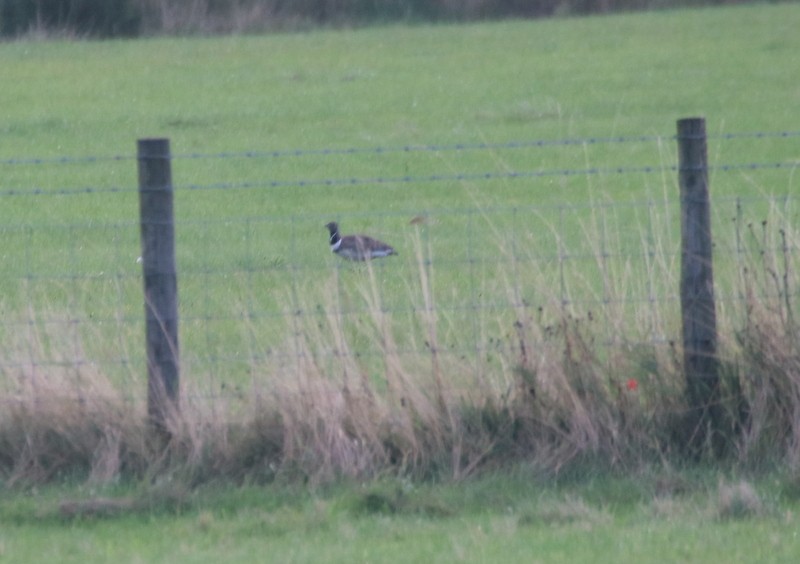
column 562, row 385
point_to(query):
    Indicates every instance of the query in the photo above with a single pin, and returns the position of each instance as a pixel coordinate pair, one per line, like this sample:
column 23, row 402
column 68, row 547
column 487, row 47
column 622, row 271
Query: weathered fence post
column 160, row 279
column 697, row 284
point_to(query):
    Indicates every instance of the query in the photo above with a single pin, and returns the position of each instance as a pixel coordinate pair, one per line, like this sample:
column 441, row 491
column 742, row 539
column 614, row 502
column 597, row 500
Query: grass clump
column 738, row 500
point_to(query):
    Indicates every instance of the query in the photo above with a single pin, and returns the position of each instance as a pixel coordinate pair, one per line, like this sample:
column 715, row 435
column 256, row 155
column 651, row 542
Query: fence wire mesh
column 494, row 240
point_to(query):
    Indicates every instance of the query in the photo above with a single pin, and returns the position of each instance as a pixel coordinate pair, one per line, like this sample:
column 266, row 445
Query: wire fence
column 492, row 237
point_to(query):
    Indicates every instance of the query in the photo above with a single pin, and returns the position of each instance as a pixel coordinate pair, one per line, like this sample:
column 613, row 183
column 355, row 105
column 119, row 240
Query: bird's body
column 357, row 247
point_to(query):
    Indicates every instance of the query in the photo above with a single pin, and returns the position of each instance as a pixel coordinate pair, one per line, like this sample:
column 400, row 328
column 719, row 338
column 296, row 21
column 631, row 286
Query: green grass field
column 646, row 518
column 251, row 255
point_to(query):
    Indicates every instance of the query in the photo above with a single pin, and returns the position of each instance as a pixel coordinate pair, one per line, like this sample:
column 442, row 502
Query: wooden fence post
column 697, row 285
column 160, row 279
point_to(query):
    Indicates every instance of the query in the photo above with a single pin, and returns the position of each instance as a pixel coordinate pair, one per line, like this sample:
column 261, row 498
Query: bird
column 357, row 247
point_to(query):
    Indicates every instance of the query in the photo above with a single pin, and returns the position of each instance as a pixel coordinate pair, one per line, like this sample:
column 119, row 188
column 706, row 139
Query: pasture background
column 70, row 278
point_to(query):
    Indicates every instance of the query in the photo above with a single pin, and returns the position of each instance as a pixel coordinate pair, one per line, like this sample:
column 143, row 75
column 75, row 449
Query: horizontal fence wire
column 261, row 295
column 379, row 180
column 279, row 153
column 405, row 179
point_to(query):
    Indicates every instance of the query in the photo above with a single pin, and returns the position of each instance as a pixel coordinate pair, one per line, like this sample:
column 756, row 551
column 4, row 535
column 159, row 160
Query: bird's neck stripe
column 335, row 246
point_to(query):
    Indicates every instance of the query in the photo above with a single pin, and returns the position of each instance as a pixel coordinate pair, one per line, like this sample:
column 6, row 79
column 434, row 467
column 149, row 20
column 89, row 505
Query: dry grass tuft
column 765, row 349
column 60, row 418
column 738, row 501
